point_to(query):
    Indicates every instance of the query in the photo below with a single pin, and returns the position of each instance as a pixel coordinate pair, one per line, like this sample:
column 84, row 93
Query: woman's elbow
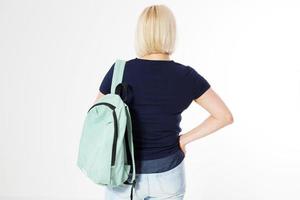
column 228, row 118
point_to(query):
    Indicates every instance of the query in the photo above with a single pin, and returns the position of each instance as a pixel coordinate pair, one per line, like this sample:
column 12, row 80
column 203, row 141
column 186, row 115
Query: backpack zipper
column 104, row 103
column 114, row 147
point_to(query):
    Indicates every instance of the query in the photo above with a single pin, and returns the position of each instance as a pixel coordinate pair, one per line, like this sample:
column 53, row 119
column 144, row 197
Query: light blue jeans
column 170, row 185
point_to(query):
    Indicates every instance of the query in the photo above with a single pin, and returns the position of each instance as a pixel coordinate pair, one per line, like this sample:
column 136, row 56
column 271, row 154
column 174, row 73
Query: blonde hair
column 155, row 31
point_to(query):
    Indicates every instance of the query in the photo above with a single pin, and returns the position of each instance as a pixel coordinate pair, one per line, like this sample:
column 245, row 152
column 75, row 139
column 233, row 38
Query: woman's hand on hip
column 182, row 144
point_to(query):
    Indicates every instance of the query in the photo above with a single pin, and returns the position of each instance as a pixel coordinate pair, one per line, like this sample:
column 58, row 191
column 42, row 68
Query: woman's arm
column 99, row 95
column 220, row 116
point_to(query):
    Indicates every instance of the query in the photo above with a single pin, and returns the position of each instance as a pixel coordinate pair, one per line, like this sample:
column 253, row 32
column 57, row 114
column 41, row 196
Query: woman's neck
column 156, row 56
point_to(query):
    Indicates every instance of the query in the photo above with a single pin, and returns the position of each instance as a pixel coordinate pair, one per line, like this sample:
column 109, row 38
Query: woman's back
column 159, row 91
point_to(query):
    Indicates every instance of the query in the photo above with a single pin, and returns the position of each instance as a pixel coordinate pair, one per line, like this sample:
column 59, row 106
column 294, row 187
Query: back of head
column 155, row 31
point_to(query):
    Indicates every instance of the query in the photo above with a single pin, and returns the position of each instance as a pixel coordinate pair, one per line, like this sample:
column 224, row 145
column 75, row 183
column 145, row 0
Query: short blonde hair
column 155, row 31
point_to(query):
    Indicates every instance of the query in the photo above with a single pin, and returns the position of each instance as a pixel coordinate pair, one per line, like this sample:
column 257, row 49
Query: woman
column 161, row 89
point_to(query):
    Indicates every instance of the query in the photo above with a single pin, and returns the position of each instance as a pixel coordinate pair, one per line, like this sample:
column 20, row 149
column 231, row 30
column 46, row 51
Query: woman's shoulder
column 173, row 63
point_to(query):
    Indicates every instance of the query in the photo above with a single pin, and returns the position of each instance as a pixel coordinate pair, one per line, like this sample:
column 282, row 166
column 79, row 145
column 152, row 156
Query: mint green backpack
column 106, row 151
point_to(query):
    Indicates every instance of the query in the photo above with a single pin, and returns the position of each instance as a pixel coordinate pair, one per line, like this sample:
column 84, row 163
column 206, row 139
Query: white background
column 54, row 55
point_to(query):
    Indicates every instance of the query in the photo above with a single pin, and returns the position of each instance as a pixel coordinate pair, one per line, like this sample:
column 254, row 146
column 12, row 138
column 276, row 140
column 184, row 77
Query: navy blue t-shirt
column 160, row 90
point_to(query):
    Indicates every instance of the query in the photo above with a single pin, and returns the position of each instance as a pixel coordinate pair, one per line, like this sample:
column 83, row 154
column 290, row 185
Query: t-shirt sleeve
column 106, row 82
column 199, row 84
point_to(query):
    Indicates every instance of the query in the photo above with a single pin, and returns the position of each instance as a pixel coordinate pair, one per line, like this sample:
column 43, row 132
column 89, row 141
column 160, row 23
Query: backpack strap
column 117, row 74
column 130, row 152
